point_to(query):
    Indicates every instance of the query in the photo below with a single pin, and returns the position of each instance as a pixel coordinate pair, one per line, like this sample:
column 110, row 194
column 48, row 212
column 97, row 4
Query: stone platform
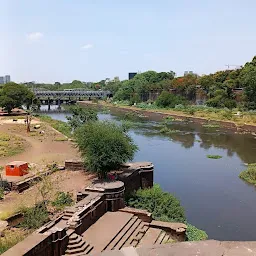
column 201, row 248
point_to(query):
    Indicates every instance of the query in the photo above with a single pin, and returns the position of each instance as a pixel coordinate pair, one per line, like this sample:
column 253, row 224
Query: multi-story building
column 132, row 75
column 7, row 79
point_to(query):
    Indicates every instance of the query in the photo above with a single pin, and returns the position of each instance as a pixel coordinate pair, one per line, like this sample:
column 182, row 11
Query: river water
column 214, row 197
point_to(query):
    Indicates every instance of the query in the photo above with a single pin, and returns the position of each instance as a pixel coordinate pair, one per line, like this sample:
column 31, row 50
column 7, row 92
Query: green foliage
column 163, row 206
column 195, row 234
column 60, row 126
column 166, row 130
column 81, row 115
column 14, row 96
column 214, row 156
column 104, row 146
column 249, row 174
column 170, row 100
column 1, row 193
column 62, row 199
column 34, row 217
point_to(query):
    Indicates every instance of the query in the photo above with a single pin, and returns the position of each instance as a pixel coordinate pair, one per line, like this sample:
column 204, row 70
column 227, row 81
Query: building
column 189, row 73
column 7, row 79
column 132, row 75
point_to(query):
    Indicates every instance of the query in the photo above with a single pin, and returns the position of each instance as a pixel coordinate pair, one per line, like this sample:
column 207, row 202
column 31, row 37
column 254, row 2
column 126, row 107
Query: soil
column 40, row 150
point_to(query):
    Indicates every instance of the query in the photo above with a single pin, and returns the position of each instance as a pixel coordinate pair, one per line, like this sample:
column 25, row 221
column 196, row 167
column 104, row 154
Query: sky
column 90, row 40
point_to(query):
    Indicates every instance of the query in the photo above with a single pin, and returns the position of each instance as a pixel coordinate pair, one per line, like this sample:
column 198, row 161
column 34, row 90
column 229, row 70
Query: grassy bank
column 207, row 113
column 60, row 126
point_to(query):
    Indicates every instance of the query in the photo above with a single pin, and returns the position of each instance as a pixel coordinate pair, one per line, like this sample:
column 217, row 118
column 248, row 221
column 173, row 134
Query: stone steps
column 150, row 237
column 121, row 233
column 129, row 233
column 77, row 246
column 160, row 238
column 137, row 236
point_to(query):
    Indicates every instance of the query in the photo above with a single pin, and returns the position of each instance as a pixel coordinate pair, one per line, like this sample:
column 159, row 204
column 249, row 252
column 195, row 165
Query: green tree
column 14, row 96
column 104, row 146
column 80, row 116
column 170, row 100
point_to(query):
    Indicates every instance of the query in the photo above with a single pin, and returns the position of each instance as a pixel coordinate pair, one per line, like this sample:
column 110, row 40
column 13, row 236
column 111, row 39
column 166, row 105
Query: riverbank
column 239, row 124
column 42, row 147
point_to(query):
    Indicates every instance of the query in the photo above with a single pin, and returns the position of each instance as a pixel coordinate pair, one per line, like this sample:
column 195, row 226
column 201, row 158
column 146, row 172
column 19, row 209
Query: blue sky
column 90, row 40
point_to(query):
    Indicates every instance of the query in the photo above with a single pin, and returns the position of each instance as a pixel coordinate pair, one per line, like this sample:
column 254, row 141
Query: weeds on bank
column 214, row 156
column 60, row 126
column 249, row 175
column 11, row 237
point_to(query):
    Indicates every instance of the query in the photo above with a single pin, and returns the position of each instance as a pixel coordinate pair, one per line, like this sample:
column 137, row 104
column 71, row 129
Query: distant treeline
column 219, row 89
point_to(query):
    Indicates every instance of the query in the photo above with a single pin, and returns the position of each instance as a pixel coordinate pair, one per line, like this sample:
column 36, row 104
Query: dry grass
column 12, row 237
column 10, row 145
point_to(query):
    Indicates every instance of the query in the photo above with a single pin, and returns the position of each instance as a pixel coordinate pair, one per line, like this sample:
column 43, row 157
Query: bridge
column 68, row 96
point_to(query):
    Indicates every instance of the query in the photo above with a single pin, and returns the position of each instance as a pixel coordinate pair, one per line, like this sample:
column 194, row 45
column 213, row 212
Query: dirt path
column 41, row 149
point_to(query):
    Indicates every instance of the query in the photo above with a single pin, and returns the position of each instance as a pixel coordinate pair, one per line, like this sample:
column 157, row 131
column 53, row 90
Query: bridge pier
column 59, row 102
column 49, row 104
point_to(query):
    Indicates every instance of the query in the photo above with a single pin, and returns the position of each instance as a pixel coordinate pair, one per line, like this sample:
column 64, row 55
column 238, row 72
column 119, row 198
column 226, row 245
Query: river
column 214, row 197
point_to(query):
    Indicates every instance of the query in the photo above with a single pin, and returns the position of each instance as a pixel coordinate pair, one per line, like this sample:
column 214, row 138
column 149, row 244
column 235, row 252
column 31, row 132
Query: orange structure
column 16, row 168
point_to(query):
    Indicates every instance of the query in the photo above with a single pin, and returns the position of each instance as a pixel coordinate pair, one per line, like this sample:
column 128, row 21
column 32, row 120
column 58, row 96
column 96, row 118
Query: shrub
column 167, row 99
column 34, row 217
column 163, row 206
column 195, row 234
column 249, row 174
column 104, row 146
column 80, row 116
column 62, row 199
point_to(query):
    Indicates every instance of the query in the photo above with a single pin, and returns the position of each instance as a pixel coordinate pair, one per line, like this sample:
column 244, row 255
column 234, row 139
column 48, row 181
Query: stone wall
column 92, row 203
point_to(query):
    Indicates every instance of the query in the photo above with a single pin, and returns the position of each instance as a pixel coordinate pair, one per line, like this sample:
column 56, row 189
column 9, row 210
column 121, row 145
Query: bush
column 195, row 234
column 62, row 199
column 104, row 146
column 80, row 116
column 249, row 174
column 170, row 100
column 34, row 217
column 163, row 206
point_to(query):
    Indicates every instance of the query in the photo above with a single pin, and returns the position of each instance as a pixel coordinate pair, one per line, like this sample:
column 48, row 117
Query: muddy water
column 214, row 197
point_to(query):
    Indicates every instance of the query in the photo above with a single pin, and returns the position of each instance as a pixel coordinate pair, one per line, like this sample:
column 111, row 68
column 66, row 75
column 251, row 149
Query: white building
column 1, row 80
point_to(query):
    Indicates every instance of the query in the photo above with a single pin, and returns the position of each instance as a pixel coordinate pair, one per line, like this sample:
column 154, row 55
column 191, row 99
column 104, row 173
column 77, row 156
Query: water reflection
column 214, row 197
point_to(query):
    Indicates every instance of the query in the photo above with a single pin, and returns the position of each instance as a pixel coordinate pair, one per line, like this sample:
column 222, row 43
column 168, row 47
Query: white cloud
column 86, row 46
column 34, row 37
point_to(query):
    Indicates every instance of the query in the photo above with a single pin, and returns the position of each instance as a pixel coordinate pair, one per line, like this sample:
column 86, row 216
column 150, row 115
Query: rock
column 37, row 126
